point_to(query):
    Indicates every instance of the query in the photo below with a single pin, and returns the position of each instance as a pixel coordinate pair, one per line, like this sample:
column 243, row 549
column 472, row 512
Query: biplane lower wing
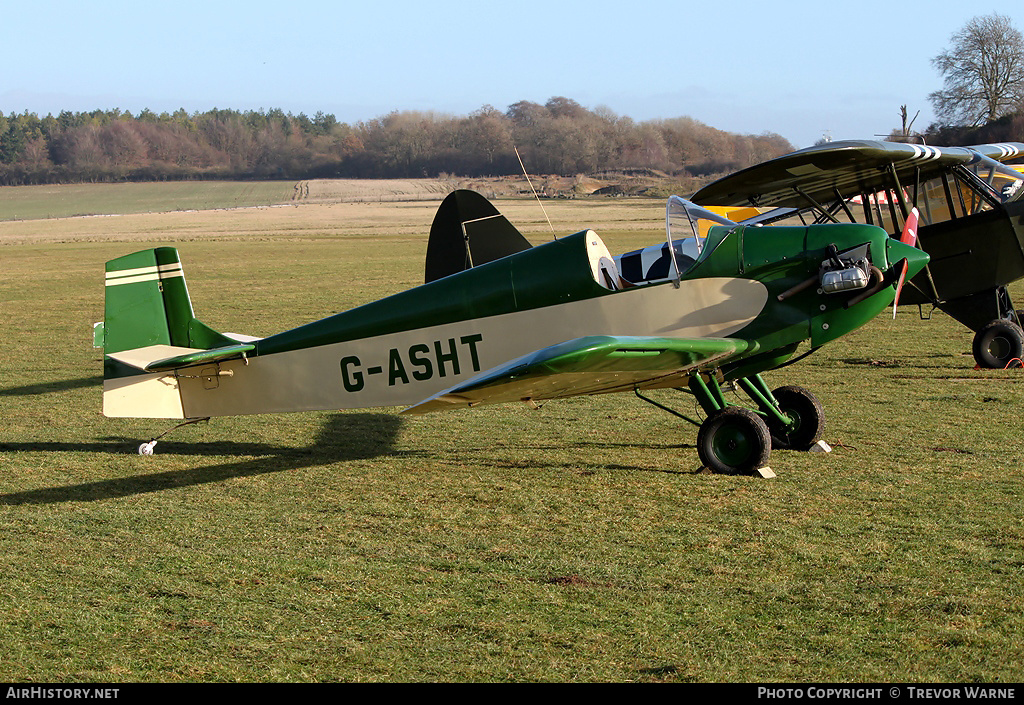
column 589, row 365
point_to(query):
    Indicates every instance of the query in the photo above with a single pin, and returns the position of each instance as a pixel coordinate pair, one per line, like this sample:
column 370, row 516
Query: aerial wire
column 523, row 167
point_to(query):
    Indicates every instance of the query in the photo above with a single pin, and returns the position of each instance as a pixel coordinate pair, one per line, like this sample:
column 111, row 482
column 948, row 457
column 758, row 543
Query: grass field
column 65, row 200
column 71, row 200
column 579, row 542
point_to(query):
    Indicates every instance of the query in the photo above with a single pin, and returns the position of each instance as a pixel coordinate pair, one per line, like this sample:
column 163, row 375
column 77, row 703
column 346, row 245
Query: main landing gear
column 998, row 333
column 998, row 344
column 734, row 439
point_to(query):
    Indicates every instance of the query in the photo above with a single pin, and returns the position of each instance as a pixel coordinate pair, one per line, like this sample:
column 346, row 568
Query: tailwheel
column 998, row 343
column 807, row 415
column 734, row 440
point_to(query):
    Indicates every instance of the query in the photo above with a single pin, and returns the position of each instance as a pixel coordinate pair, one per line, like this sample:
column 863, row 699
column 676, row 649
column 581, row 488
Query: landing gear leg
column 999, row 337
column 795, row 417
column 734, row 439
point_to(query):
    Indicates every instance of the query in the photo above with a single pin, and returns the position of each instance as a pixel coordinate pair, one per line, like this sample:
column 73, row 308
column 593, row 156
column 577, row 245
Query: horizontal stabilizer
column 164, row 358
column 201, row 357
column 590, row 365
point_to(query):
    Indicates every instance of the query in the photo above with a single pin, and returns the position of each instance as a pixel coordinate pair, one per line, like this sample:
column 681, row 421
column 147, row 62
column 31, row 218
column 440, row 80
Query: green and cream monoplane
column 499, row 320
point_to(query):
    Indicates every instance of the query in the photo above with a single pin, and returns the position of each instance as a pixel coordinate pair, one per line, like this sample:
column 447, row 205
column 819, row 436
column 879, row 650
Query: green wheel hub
column 732, row 444
column 807, row 419
column 734, row 440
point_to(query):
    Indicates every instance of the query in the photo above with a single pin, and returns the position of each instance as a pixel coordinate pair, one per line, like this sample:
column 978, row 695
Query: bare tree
column 983, row 72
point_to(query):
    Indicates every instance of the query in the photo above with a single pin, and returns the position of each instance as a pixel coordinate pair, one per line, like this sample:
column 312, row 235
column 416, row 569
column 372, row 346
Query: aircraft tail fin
column 468, row 231
column 149, row 329
column 147, row 303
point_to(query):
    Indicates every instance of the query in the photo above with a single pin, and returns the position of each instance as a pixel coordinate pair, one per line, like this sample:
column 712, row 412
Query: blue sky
column 799, row 69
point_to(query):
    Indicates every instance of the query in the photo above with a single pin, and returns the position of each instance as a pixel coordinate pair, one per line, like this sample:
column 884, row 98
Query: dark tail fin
column 469, row 231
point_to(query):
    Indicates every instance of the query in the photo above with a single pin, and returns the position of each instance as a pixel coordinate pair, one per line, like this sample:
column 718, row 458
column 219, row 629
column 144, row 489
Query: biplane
column 499, row 320
column 971, row 204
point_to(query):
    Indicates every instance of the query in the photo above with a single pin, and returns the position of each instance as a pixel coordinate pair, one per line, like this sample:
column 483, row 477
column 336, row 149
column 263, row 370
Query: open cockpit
column 688, row 230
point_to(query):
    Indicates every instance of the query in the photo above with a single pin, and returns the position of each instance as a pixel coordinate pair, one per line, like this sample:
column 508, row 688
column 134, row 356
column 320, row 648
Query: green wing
column 591, row 365
column 849, row 167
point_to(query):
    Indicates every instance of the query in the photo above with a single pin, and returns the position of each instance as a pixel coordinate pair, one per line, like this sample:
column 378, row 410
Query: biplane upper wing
column 588, row 365
column 823, row 172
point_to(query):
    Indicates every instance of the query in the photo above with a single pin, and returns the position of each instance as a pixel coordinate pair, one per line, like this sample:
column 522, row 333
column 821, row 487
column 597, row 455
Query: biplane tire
column 805, row 409
column 147, row 448
column 733, row 441
column 997, row 343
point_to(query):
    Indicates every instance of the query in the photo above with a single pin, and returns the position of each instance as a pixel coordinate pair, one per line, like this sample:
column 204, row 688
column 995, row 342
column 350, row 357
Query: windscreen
column 686, row 227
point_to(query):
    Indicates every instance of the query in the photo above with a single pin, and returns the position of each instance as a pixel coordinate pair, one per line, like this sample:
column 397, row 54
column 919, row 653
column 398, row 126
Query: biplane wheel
column 734, row 440
column 806, row 411
column 147, row 448
column 997, row 343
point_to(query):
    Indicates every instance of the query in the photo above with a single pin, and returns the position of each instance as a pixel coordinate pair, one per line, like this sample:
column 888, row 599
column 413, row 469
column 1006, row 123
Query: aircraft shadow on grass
column 344, row 437
column 50, row 387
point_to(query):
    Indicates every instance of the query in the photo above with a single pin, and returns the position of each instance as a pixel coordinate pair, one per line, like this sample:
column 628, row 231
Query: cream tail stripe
column 926, row 153
column 1006, row 151
column 144, row 274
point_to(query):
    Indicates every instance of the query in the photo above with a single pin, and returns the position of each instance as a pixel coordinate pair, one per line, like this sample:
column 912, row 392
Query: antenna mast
column 523, row 166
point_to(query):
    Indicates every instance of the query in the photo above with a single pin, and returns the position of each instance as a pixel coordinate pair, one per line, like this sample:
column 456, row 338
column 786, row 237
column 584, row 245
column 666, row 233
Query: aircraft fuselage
column 404, row 348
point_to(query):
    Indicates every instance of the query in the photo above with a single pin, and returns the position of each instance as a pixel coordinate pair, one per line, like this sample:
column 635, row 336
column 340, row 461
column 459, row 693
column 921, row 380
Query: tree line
column 982, row 97
column 982, row 100
column 559, row 137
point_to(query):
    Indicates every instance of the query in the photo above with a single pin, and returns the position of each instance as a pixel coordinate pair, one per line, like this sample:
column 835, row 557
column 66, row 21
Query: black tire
column 997, row 343
column 805, row 409
column 734, row 440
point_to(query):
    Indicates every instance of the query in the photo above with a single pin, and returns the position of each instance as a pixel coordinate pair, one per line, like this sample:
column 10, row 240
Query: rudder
column 147, row 303
column 147, row 314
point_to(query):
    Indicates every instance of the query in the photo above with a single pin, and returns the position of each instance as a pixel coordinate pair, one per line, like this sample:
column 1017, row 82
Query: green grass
column 64, row 200
column 575, row 543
